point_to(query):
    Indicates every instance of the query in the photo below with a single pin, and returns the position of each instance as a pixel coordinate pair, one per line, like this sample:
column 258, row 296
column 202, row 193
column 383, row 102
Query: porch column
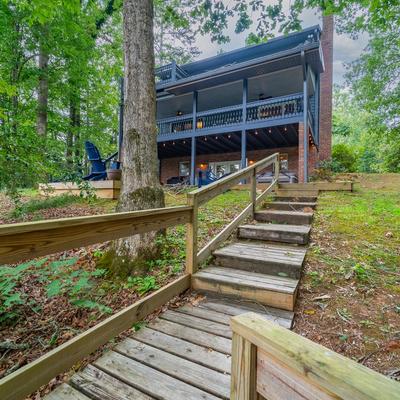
column 243, row 150
column 305, row 126
column 193, row 149
column 317, row 101
column 244, row 112
column 193, row 162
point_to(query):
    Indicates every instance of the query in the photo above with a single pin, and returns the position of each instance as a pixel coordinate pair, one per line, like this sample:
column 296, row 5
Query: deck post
column 191, row 236
column 193, row 162
column 244, row 112
column 244, row 369
column 305, row 123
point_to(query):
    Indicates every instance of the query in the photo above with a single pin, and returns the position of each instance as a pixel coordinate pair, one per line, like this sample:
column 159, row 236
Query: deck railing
column 23, row 241
column 169, row 73
column 271, row 362
column 277, row 108
column 206, row 193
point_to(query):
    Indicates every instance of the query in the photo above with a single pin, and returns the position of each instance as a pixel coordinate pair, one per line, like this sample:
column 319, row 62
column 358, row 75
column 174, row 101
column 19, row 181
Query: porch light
column 205, row 139
column 285, row 129
column 178, row 113
column 173, row 143
column 164, row 144
column 229, row 136
column 199, row 124
column 216, row 137
column 256, row 132
column 184, row 142
column 251, row 162
column 269, row 130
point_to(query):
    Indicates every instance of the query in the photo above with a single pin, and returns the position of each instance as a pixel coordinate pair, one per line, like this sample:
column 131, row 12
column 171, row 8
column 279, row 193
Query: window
column 184, row 168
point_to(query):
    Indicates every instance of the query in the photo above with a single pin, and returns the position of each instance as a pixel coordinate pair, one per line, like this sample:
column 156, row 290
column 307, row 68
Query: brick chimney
column 325, row 132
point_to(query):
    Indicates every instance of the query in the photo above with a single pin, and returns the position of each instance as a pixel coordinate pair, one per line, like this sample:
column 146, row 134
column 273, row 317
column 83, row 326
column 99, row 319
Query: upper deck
column 249, row 88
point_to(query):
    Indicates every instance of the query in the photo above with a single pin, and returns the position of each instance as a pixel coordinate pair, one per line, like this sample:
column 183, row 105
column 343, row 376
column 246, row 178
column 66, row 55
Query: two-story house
column 228, row 111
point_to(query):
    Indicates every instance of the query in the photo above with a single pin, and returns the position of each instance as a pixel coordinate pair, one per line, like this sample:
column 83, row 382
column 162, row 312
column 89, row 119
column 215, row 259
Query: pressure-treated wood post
column 244, row 369
column 253, row 188
column 277, row 168
column 191, row 236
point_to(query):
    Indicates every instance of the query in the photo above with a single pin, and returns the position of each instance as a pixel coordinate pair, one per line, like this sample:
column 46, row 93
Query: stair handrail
column 202, row 195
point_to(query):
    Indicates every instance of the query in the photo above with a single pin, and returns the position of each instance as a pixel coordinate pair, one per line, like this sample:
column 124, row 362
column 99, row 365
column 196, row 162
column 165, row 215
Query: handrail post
column 191, row 236
column 253, row 188
column 277, row 169
column 243, row 369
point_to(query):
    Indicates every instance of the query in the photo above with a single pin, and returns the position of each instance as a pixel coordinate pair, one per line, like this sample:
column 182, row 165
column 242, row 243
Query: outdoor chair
column 98, row 169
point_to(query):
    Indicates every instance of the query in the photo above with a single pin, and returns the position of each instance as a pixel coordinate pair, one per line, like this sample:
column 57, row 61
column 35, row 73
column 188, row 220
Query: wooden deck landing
column 182, row 355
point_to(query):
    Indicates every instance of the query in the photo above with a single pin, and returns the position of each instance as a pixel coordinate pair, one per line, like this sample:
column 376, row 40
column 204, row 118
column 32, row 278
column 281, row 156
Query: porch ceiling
column 257, row 139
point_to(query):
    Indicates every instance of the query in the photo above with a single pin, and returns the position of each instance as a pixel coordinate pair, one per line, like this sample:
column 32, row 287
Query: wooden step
column 263, row 258
column 284, row 217
column 274, row 291
column 290, row 205
column 297, row 234
column 306, row 199
column 297, row 193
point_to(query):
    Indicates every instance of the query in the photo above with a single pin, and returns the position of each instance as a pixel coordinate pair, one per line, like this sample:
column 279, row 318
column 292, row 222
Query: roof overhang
column 252, row 68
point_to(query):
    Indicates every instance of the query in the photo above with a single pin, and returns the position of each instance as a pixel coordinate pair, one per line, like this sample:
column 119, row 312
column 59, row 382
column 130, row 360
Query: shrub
column 344, row 158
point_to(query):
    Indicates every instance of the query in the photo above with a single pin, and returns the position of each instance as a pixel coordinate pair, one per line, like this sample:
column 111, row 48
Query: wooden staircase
column 264, row 265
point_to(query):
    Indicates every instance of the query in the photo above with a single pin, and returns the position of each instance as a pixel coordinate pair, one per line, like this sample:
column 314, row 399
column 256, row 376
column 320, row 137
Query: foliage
column 343, row 158
column 58, row 279
column 42, row 204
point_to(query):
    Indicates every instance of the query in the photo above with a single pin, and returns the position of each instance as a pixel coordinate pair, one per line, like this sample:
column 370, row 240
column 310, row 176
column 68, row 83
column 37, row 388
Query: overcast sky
column 345, row 49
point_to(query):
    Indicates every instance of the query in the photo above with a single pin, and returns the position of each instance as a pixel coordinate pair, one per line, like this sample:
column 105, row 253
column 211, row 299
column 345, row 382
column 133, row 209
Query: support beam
column 317, row 101
column 193, row 162
column 193, row 150
column 243, row 150
column 305, row 123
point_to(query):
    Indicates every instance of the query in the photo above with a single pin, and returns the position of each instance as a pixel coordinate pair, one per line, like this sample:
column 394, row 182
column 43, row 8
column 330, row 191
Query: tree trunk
column 140, row 183
column 43, row 89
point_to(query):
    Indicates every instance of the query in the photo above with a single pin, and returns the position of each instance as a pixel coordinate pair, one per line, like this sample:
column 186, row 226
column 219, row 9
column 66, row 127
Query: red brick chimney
column 325, row 119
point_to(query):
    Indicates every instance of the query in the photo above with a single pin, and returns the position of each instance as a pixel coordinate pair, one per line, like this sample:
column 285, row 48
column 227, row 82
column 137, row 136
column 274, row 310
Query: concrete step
column 271, row 259
column 284, row 217
column 291, row 205
column 273, row 291
column 297, row 234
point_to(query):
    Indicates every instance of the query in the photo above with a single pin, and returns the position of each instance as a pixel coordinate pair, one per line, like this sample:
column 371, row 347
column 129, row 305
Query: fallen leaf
column 322, row 297
column 309, row 312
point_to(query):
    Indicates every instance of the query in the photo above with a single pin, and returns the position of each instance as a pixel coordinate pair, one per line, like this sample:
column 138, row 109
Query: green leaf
column 54, row 288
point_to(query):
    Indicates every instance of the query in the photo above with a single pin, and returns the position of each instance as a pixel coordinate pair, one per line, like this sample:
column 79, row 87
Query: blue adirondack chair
column 208, row 177
column 98, row 169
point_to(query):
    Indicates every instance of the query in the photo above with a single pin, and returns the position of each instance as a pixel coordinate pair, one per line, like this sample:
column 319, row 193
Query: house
column 228, row 111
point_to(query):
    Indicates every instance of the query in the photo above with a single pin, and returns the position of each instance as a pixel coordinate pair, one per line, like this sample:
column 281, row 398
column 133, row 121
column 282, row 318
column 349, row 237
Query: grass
column 37, row 204
column 354, row 259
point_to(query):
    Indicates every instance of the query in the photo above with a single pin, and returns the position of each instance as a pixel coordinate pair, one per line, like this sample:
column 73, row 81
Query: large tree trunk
column 140, row 183
column 43, row 88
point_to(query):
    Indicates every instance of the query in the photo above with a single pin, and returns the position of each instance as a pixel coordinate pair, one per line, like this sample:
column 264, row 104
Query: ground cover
column 49, row 300
column 350, row 291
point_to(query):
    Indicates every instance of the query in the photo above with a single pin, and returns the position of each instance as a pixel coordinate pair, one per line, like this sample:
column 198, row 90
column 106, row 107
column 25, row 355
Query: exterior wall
column 170, row 166
column 325, row 130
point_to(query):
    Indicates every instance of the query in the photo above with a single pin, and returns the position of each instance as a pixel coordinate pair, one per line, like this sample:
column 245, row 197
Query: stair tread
column 260, row 252
column 302, row 229
column 249, row 279
column 283, row 212
column 295, row 203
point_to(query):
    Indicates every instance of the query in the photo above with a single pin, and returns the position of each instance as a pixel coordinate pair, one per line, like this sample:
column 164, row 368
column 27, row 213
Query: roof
column 215, row 70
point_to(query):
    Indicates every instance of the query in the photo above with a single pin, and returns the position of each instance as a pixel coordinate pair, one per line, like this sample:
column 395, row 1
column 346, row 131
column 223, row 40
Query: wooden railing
column 28, row 240
column 270, row 362
column 278, row 108
column 204, row 194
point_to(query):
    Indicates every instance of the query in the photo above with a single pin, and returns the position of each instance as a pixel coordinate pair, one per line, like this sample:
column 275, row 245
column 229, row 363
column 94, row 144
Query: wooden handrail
column 32, row 376
column 273, row 362
column 33, row 239
column 202, row 195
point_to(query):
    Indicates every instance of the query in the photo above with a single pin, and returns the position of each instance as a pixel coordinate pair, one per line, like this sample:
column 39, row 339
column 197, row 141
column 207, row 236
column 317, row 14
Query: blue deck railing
column 169, row 73
column 278, row 108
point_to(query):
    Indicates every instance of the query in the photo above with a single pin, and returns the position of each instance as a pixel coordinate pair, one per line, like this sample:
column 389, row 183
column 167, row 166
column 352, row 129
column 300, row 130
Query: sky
column 345, row 49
